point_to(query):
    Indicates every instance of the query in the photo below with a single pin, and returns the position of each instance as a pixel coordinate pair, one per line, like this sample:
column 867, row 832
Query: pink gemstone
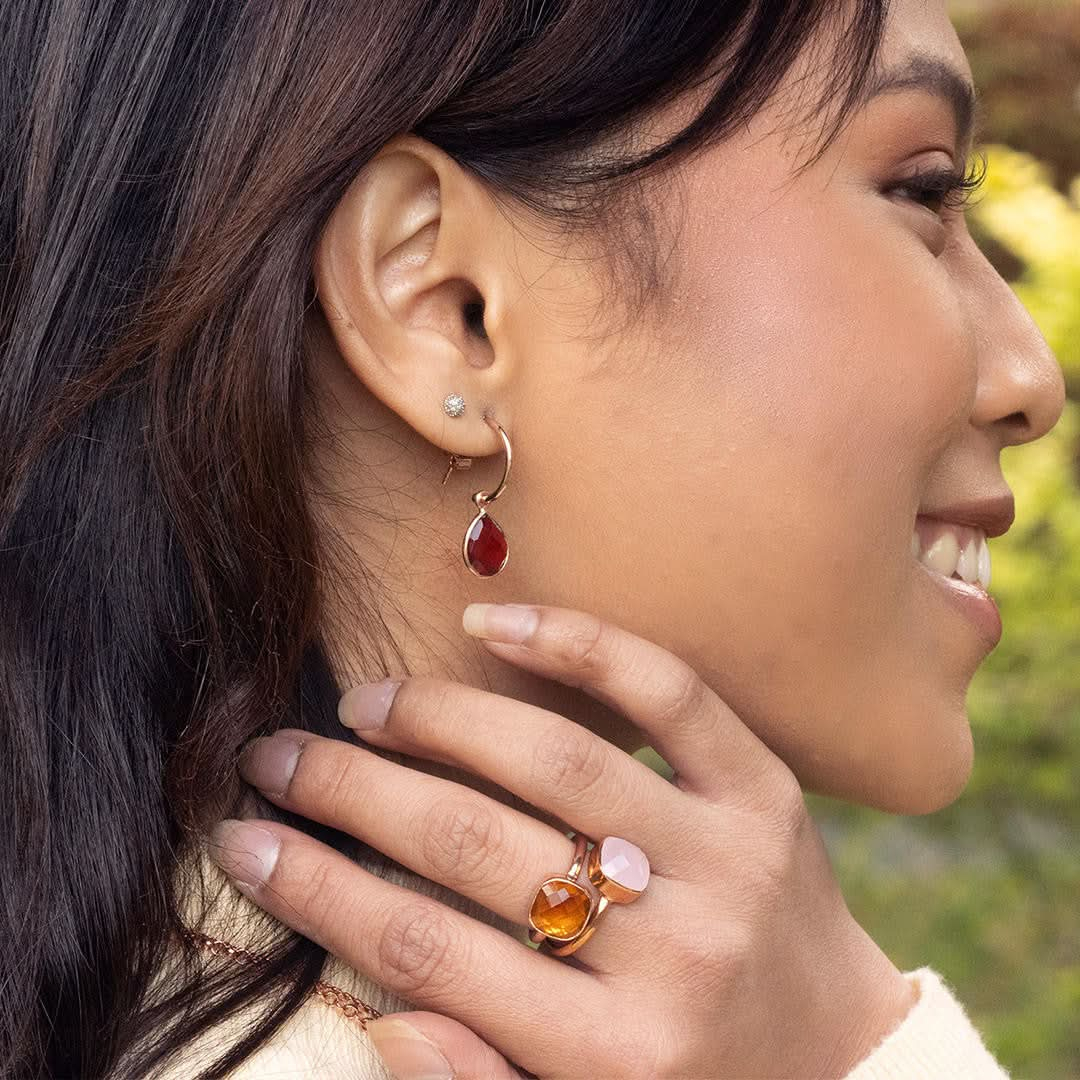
column 485, row 546
column 624, row 863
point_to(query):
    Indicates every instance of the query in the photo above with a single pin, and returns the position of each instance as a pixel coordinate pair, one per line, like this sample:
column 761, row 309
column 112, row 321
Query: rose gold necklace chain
column 348, row 1005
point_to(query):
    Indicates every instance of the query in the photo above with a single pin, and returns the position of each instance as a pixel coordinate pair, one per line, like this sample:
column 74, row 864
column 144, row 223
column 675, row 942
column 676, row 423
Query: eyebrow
column 921, row 71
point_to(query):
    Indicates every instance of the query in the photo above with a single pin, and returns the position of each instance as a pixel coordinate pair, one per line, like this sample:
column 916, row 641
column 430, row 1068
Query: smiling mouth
column 958, row 552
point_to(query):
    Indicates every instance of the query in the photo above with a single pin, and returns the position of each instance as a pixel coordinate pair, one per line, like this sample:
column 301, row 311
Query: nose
column 1021, row 389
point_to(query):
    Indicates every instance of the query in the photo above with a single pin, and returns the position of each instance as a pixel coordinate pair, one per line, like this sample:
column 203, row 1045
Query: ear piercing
column 453, row 404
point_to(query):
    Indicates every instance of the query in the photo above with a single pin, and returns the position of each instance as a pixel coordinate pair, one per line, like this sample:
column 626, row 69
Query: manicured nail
column 512, row 623
column 269, row 762
column 367, row 706
column 245, row 852
column 408, row 1054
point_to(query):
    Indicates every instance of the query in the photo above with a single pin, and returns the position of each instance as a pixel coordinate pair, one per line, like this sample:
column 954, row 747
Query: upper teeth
column 952, row 549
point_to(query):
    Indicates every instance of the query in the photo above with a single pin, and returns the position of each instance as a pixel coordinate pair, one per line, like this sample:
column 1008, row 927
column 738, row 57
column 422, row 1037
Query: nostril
column 1018, row 419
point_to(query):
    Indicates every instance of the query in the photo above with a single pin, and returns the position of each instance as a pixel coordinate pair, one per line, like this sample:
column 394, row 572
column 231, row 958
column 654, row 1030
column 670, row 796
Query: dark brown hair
column 167, row 167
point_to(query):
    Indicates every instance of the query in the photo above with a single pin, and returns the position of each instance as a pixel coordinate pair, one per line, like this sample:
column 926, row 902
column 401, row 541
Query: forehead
column 919, row 49
column 922, row 27
column 922, row 51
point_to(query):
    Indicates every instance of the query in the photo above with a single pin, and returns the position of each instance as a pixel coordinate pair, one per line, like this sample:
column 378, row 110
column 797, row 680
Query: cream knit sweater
column 935, row 1041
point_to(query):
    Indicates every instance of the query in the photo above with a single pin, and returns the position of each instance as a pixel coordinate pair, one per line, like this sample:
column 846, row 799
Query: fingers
column 442, row 830
column 513, row 997
column 427, row 1044
column 702, row 739
column 552, row 763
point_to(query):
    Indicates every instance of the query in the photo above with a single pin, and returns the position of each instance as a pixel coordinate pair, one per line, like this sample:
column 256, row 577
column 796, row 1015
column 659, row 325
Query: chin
column 920, row 796
column 920, row 777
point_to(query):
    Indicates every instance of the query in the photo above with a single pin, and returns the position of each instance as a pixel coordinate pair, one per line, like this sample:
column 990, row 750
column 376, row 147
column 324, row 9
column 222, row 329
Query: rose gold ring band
column 565, row 909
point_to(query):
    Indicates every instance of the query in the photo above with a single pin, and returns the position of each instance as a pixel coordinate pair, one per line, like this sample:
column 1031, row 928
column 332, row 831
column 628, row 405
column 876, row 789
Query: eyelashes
column 952, row 189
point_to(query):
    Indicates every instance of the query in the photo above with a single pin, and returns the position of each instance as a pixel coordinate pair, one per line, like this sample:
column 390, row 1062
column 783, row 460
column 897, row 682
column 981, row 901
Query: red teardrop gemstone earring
column 484, row 548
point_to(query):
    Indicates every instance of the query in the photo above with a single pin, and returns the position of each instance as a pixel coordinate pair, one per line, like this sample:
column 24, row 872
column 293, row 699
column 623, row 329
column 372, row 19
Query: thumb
column 427, row 1046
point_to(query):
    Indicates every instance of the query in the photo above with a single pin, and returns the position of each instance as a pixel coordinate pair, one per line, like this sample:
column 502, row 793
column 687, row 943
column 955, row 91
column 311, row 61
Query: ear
column 413, row 272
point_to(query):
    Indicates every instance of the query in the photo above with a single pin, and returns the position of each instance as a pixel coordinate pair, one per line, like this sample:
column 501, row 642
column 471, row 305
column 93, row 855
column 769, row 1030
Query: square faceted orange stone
column 561, row 908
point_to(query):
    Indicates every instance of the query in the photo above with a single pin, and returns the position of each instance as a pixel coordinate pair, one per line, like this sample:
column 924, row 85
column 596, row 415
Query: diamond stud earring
column 453, row 404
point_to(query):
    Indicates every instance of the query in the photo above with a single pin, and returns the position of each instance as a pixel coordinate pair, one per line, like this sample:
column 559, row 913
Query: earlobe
column 411, row 275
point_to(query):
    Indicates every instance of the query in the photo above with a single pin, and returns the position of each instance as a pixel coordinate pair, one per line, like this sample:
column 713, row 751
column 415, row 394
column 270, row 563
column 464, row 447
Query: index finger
column 687, row 723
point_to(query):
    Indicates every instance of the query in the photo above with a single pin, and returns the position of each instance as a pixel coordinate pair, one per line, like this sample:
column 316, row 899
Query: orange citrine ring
column 562, row 906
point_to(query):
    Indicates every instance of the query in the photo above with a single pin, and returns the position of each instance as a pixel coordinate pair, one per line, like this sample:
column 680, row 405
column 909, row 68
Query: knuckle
column 683, row 698
column 670, row 1057
column 706, row 956
column 723, row 958
column 772, row 878
column 742, row 949
column 318, row 899
column 460, row 840
column 340, row 784
column 427, row 703
column 571, row 759
column 792, row 841
column 417, row 950
column 696, row 959
column 682, row 1042
column 585, row 649
column 787, row 806
column 774, row 800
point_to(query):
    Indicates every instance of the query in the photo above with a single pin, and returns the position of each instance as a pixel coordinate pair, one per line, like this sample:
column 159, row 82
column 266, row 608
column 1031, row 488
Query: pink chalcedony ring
column 618, row 869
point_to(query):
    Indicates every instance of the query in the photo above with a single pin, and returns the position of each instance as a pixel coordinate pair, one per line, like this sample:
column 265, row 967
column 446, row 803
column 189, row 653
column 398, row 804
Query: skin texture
column 732, row 471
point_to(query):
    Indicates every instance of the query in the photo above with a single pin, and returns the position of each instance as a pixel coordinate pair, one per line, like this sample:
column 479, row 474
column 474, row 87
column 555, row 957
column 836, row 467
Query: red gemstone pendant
column 485, row 548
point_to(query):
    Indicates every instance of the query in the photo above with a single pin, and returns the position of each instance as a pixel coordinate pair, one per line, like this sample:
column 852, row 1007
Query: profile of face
column 735, row 468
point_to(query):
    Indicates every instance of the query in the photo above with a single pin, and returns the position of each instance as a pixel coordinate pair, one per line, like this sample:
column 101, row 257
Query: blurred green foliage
column 987, row 891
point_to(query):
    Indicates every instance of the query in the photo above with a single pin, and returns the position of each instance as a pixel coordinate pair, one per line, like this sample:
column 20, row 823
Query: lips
column 993, row 515
column 949, row 543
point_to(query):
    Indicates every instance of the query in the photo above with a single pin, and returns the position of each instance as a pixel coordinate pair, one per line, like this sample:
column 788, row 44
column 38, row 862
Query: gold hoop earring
column 484, row 547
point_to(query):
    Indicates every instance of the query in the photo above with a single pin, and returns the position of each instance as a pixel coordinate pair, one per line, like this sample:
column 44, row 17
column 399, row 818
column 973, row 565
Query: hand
column 740, row 958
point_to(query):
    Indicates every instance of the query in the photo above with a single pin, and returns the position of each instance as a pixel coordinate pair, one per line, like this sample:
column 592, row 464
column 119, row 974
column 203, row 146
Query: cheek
column 754, row 470
column 839, row 368
column 815, row 389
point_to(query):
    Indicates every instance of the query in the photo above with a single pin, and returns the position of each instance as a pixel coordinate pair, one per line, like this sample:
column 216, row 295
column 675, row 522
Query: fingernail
column 512, row 623
column 244, row 851
column 367, row 706
column 408, row 1054
column 269, row 762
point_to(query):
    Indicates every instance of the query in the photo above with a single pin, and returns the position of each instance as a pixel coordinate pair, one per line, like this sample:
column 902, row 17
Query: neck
column 399, row 612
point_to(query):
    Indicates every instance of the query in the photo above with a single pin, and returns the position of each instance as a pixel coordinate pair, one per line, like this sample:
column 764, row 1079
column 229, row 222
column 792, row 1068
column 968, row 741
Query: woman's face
column 737, row 472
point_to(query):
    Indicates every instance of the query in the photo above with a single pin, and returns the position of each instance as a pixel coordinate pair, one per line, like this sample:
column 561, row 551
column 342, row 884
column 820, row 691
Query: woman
column 276, row 273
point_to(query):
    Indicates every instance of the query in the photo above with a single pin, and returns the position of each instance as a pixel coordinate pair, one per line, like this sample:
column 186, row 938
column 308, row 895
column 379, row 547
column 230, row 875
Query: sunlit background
column 987, row 892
